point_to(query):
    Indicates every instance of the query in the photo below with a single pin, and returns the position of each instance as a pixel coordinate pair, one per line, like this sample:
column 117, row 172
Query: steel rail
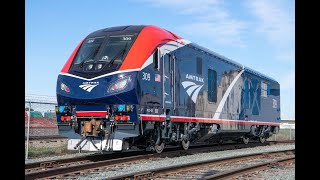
column 150, row 174
column 248, row 169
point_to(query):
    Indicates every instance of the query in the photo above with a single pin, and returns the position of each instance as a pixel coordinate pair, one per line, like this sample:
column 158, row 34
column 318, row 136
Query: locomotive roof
column 229, row 61
column 120, row 29
column 138, row 29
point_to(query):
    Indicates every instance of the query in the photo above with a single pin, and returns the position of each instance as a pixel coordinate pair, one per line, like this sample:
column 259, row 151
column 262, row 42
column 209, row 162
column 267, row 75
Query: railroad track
column 209, row 169
column 253, row 168
column 68, row 168
column 64, row 166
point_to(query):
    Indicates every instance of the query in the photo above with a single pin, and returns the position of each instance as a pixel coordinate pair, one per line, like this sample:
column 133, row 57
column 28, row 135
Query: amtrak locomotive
column 143, row 87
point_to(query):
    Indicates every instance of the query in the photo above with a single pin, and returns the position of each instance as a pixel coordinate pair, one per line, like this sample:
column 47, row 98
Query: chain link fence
column 40, row 117
column 287, row 132
column 41, row 112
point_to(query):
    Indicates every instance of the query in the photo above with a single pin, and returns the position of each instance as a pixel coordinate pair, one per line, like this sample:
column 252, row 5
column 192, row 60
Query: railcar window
column 89, row 49
column 156, row 57
column 102, row 54
column 247, row 97
column 199, row 65
column 275, row 92
column 115, row 48
column 264, row 89
column 167, row 67
column 212, row 85
column 268, row 89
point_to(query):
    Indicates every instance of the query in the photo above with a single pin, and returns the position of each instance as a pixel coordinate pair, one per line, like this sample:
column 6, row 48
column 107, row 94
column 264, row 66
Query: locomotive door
column 168, row 83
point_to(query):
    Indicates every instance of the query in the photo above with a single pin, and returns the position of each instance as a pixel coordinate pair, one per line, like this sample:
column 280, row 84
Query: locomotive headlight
column 128, row 108
column 64, row 87
column 119, row 84
column 121, row 108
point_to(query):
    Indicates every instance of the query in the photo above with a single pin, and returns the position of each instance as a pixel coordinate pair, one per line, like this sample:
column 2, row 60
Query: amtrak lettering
column 195, row 78
column 94, row 83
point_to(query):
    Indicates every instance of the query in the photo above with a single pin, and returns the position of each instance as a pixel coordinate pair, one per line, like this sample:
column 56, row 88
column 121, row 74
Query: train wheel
column 185, row 144
column 159, row 148
column 262, row 139
column 245, row 139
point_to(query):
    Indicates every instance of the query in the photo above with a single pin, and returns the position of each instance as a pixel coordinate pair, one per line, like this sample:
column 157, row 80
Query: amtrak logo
column 88, row 86
column 192, row 89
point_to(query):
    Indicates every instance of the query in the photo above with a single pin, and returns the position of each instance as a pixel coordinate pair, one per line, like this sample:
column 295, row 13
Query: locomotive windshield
column 102, row 54
column 89, row 50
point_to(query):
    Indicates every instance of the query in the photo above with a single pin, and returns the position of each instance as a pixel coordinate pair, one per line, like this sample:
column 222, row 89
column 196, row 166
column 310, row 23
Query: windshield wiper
column 85, row 61
column 120, row 53
column 91, row 53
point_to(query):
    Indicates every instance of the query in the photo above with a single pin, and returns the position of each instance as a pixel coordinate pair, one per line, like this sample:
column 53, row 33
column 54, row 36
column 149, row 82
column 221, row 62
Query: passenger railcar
column 132, row 87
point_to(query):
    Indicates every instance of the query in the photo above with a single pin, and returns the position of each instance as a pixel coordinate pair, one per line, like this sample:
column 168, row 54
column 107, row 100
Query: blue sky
column 259, row 34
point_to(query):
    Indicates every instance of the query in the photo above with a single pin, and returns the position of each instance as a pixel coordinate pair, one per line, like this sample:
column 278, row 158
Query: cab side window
column 212, row 85
column 156, row 58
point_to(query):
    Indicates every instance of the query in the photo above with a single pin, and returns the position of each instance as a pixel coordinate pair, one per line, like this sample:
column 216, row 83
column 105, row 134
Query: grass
column 36, row 152
column 284, row 134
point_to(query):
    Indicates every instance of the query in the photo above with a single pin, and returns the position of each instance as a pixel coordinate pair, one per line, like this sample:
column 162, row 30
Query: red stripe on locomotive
column 152, row 118
column 91, row 113
column 149, row 38
column 66, row 67
column 200, row 120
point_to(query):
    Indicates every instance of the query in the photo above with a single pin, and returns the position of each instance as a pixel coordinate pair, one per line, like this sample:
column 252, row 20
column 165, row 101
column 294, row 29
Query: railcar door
column 168, row 83
column 168, row 93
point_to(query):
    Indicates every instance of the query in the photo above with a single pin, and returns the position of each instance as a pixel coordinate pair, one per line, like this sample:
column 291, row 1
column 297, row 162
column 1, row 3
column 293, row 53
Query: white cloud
column 212, row 20
column 276, row 20
column 221, row 32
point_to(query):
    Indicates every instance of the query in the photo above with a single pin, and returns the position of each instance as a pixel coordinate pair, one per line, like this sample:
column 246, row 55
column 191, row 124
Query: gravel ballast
column 66, row 156
column 165, row 162
column 279, row 174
